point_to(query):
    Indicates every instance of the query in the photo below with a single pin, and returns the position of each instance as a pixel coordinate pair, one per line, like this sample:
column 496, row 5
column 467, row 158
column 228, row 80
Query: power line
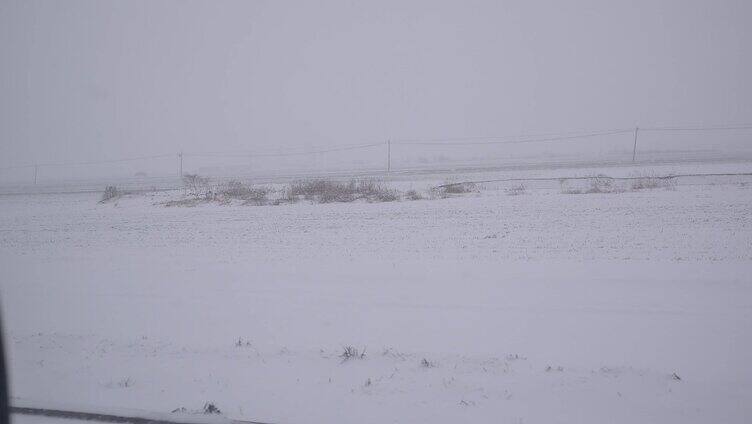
column 530, row 140
column 280, row 150
column 571, row 135
column 16, row 167
column 457, row 141
column 712, row 128
column 94, row 162
column 309, row 152
column 495, row 138
column 98, row 162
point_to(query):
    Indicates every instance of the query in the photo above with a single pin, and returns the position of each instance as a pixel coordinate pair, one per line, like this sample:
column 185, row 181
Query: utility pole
column 389, row 156
column 36, row 169
column 180, row 164
column 634, row 148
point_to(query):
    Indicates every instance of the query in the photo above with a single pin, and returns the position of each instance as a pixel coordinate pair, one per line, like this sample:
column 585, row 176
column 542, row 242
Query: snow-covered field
column 537, row 308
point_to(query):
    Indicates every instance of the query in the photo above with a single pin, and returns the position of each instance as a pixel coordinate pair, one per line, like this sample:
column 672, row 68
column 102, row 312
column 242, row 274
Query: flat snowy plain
column 543, row 307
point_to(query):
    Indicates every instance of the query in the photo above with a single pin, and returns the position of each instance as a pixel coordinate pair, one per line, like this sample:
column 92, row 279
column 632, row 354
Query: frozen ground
column 541, row 307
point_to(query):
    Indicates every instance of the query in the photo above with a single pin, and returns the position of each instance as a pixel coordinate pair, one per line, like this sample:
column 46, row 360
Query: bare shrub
column 571, row 191
column 605, row 184
column 110, row 192
column 196, row 184
column 387, row 195
column 201, row 190
column 210, row 409
column 288, row 196
column 323, row 191
column 643, row 183
column 299, row 188
column 242, row 343
column 375, row 191
column 450, row 189
column 670, row 183
column 515, row 190
column 191, row 202
column 258, row 196
column 251, row 195
column 125, row 383
column 565, row 189
column 601, row 184
column 333, row 191
column 351, row 352
column 394, row 354
column 515, row 357
column 459, row 188
column 413, row 195
column 236, row 189
column 595, row 184
column 327, row 191
column 648, row 182
column 367, row 187
column 425, row 363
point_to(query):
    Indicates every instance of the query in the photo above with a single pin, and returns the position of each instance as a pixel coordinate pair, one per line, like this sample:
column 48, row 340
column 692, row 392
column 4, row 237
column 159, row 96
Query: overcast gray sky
column 85, row 80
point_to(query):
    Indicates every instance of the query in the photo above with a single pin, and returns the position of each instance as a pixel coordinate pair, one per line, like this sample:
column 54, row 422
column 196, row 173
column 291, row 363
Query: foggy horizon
column 88, row 80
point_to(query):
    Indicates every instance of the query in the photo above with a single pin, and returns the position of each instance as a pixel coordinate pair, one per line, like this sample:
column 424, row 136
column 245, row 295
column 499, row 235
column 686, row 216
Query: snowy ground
column 542, row 307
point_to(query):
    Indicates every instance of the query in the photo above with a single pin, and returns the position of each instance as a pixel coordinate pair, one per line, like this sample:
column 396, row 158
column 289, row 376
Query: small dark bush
column 350, row 352
column 459, row 188
column 210, row 408
column 375, row 192
column 596, row 184
column 196, row 184
column 236, row 189
column 601, row 184
column 110, row 192
column 413, row 195
column 323, row 191
column 425, row 363
column 191, row 202
column 515, row 190
column 125, row 383
column 648, row 182
column 251, row 195
column 450, row 189
column 288, row 196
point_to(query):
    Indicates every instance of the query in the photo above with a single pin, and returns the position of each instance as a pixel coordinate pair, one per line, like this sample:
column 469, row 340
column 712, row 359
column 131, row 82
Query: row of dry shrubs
column 328, row 191
column 453, row 189
column 604, row 184
column 202, row 190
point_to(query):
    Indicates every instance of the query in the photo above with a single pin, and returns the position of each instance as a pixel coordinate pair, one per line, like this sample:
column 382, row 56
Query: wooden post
column 180, row 164
column 634, row 148
column 36, row 169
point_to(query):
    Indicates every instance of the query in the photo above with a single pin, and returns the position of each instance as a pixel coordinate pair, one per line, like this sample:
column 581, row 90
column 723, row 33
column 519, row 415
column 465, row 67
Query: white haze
column 92, row 80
